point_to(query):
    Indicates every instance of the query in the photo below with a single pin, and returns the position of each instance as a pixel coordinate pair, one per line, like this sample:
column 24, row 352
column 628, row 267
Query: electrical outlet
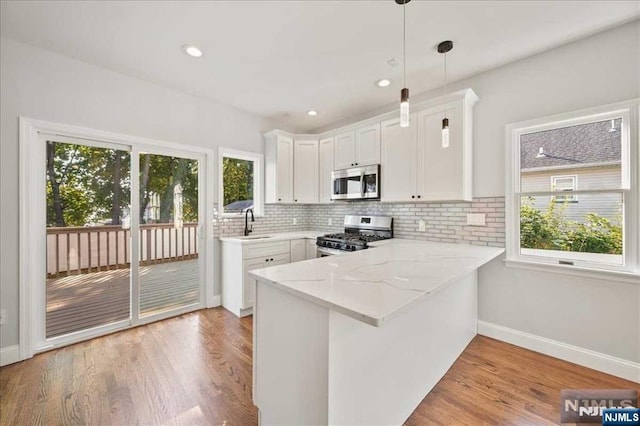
column 295, row 221
column 422, row 226
column 330, row 222
column 476, row 219
column 3, row 317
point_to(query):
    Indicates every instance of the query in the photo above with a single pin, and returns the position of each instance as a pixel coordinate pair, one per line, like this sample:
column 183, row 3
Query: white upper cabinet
column 326, row 167
column 399, row 160
column 368, row 145
column 359, row 147
column 306, row 163
column 446, row 172
column 278, row 167
column 344, row 150
column 415, row 165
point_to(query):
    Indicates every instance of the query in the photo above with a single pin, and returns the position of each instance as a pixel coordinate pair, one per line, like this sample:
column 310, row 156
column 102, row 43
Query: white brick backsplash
column 277, row 218
column 445, row 222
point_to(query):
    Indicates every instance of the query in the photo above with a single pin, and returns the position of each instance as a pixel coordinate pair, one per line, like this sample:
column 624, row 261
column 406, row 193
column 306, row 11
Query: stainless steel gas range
column 359, row 231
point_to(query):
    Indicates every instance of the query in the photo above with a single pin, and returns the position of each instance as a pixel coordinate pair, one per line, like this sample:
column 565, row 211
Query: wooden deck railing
column 77, row 250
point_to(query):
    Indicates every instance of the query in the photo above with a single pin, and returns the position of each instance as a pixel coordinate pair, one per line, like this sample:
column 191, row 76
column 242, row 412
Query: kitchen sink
column 257, row 237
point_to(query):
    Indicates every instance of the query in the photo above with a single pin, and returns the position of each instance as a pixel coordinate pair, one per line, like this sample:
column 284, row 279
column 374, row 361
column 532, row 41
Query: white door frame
column 32, row 236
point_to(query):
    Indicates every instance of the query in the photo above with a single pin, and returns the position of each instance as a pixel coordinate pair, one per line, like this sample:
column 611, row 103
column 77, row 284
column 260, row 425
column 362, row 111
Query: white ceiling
column 279, row 59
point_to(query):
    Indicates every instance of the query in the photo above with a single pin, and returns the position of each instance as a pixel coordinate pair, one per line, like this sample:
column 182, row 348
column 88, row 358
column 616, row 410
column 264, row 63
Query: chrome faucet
column 248, row 230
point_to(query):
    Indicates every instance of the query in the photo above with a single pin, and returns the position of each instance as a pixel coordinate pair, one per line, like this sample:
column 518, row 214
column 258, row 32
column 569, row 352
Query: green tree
column 160, row 174
column 91, row 185
column 238, row 180
column 597, row 235
column 551, row 230
column 85, row 184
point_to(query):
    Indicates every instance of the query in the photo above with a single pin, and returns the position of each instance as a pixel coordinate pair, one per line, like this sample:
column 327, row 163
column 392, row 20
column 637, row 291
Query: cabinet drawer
column 279, row 259
column 265, row 249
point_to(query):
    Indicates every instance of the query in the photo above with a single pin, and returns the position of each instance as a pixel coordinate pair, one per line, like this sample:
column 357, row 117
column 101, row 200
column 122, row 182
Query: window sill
column 619, row 276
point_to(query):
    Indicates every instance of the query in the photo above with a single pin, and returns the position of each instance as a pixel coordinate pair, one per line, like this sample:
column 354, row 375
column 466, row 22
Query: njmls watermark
column 589, row 405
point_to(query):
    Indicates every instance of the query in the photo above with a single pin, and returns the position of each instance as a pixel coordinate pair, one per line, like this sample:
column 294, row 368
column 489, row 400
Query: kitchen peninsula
column 361, row 338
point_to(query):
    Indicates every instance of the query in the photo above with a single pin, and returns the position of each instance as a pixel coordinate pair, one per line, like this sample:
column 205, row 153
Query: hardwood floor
column 196, row 369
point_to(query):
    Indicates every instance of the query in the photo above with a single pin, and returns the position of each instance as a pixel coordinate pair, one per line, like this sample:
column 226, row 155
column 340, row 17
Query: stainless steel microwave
column 358, row 183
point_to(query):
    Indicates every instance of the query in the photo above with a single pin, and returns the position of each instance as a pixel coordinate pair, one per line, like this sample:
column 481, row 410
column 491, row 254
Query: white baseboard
column 598, row 361
column 9, row 355
column 215, row 301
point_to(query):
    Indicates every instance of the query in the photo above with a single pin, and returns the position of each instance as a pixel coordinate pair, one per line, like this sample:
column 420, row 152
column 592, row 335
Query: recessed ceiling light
column 383, row 82
column 312, row 113
column 191, row 50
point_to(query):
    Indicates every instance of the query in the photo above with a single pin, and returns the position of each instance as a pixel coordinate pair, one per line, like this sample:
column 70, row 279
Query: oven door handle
column 328, row 252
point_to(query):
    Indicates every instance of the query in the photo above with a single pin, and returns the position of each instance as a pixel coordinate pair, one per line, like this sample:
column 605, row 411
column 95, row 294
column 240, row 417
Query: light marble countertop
column 376, row 284
column 274, row 236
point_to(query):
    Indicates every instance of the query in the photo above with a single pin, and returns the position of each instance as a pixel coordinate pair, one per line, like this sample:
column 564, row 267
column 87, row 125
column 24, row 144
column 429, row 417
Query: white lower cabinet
column 312, row 249
column 249, row 285
column 298, row 250
column 238, row 289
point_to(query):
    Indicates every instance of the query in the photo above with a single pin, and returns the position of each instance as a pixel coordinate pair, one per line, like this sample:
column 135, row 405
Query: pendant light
column 443, row 48
column 404, row 93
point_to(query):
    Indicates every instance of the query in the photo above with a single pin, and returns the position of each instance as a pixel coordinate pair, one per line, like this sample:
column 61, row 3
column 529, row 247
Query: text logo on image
column 589, row 405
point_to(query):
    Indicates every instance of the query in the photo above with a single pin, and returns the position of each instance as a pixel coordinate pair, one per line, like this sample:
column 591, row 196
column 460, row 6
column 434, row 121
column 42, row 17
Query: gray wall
column 39, row 84
column 600, row 315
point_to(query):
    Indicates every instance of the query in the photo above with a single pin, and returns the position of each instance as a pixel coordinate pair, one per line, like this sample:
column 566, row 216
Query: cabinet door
column 312, row 249
column 442, row 170
column 399, row 162
column 326, row 167
column 298, row 250
column 249, row 284
column 305, row 182
column 368, row 145
column 345, row 150
column 284, row 169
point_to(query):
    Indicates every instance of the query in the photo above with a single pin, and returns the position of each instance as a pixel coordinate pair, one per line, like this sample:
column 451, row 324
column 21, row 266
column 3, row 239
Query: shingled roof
column 573, row 146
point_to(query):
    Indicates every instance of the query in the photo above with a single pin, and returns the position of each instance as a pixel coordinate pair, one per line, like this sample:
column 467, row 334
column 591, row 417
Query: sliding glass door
column 87, row 247
column 123, row 236
column 169, row 233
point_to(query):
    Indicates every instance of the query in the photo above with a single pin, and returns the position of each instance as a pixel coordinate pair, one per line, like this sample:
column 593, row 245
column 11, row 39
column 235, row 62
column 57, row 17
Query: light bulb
column 404, row 114
column 404, row 107
column 445, row 133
